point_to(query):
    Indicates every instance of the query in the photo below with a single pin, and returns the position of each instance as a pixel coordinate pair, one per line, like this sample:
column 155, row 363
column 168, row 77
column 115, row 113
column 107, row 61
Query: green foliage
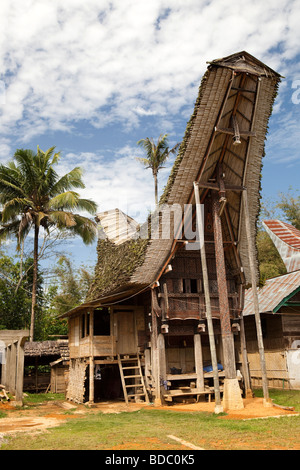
column 156, row 156
column 270, row 262
column 15, row 296
column 72, row 286
column 290, row 206
column 287, row 209
column 32, row 195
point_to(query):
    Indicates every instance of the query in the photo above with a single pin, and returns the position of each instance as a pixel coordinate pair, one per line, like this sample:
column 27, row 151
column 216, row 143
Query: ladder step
column 133, row 363
column 129, row 359
column 131, row 376
column 136, row 395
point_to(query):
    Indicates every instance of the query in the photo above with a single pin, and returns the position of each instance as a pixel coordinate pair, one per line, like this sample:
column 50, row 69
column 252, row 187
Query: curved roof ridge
column 286, row 238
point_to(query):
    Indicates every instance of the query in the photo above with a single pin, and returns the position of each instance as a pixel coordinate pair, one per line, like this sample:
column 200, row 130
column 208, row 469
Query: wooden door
column 126, row 332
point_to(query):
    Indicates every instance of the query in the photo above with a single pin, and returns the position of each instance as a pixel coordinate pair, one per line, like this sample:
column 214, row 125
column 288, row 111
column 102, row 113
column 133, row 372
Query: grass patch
column 148, row 429
column 283, row 397
column 32, row 399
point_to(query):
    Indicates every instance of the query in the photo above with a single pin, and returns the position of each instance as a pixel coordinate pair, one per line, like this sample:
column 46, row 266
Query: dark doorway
column 108, row 384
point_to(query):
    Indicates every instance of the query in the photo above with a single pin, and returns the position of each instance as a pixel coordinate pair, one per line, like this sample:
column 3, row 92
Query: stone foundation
column 232, row 396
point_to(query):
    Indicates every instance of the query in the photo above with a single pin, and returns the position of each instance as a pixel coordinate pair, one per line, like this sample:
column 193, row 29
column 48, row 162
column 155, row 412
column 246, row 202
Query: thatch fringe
column 47, row 348
column 116, row 264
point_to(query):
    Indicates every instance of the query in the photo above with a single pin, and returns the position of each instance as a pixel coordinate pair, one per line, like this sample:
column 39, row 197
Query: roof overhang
column 107, row 300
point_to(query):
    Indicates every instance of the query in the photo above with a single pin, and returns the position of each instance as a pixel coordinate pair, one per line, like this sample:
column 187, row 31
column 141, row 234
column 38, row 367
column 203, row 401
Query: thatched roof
column 47, row 348
column 238, row 87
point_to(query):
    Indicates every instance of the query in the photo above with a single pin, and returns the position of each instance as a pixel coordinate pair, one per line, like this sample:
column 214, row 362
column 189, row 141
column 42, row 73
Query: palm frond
column 85, row 228
column 62, row 219
column 145, row 161
column 13, row 208
column 67, row 200
column 87, row 205
column 73, row 179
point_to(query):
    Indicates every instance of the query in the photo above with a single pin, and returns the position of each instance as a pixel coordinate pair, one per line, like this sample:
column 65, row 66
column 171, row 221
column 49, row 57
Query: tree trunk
column 34, row 280
column 155, row 189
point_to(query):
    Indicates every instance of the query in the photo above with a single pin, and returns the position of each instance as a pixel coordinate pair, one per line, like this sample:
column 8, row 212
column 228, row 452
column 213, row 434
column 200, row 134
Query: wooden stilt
column 255, row 300
column 218, row 404
column 232, row 398
column 198, row 361
column 227, row 335
column 154, row 350
column 91, row 362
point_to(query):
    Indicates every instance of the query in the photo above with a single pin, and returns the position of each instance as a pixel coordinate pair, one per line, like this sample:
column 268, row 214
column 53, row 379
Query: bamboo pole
column 255, row 301
column 218, row 404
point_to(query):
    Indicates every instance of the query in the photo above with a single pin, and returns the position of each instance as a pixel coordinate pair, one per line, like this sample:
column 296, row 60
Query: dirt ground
column 52, row 414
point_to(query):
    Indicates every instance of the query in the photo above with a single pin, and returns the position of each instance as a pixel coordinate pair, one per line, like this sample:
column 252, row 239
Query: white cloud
column 120, row 60
column 122, row 182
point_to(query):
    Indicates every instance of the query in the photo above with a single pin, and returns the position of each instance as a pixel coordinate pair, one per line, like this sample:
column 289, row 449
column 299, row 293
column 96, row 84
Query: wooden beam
column 218, row 407
column 216, row 187
column 166, row 302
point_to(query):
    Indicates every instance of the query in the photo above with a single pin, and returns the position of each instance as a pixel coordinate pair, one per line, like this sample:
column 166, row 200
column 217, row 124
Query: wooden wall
column 185, row 286
column 280, row 332
column 107, row 345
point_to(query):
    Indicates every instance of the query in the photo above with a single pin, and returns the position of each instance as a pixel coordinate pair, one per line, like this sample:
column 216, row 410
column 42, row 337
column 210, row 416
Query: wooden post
column 255, row 300
column 246, row 373
column 198, row 362
column 227, row 335
column 218, row 404
column 232, row 398
column 20, row 371
column 162, row 367
column 4, row 369
column 91, row 362
column 8, row 368
column 154, row 350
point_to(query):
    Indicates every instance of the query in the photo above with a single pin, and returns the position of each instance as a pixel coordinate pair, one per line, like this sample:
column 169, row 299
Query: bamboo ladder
column 132, row 377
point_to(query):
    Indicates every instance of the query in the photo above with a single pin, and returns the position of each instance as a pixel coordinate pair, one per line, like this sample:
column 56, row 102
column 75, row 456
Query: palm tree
column 32, row 195
column 156, row 156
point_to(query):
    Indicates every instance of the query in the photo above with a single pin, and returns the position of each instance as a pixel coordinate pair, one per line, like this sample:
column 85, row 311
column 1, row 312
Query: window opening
column 101, row 322
column 83, row 325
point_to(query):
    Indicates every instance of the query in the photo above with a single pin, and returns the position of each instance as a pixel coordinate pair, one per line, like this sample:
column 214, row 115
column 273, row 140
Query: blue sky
column 93, row 77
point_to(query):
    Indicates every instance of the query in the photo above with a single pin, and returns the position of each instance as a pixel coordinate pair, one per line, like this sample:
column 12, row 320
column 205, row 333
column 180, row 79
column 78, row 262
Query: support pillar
column 245, row 362
column 198, row 362
column 154, row 351
column 232, row 398
column 20, row 372
column 251, row 257
column 162, row 366
column 218, row 404
column 91, row 361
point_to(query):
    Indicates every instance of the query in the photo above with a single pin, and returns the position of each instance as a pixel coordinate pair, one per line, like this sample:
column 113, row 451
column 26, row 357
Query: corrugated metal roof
column 273, row 292
column 286, row 238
